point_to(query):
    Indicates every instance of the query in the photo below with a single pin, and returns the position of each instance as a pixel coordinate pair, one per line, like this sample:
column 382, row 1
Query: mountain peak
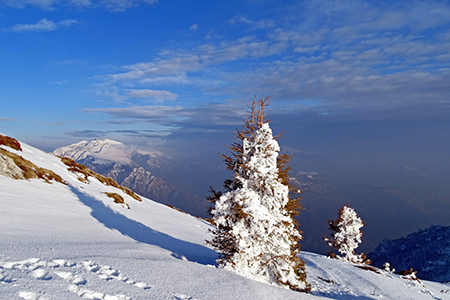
column 106, row 152
column 103, row 151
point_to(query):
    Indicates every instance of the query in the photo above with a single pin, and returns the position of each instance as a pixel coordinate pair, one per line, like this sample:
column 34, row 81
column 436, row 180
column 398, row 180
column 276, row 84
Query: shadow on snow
column 144, row 234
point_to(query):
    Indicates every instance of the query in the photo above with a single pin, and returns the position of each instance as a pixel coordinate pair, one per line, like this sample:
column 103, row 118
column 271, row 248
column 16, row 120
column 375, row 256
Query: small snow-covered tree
column 346, row 235
column 256, row 234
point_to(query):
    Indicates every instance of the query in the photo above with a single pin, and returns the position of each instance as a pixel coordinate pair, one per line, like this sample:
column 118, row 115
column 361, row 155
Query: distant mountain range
column 392, row 203
column 426, row 251
column 141, row 171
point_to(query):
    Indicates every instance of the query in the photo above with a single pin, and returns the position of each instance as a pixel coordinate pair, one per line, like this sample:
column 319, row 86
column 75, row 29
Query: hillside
column 427, row 251
column 68, row 240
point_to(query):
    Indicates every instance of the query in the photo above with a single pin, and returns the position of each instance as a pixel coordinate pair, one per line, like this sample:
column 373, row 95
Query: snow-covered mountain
column 63, row 237
column 145, row 172
column 426, row 251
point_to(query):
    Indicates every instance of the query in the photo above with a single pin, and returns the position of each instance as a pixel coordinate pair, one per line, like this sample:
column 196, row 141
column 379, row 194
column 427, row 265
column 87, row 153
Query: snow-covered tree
column 346, row 235
column 256, row 234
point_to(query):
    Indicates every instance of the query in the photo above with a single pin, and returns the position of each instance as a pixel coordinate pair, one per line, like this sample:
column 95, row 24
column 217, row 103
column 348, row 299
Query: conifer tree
column 256, row 234
column 346, row 236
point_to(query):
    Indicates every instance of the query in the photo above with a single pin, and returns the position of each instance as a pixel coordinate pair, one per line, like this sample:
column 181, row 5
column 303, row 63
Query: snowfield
column 73, row 242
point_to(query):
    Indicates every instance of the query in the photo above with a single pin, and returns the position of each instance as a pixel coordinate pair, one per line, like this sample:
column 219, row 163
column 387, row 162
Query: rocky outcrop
column 9, row 168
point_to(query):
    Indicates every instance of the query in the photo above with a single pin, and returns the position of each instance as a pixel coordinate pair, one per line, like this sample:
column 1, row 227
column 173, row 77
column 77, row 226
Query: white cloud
column 68, row 22
column 42, row 4
column 111, row 5
column 62, row 82
column 240, row 19
column 193, row 27
column 150, row 113
column 81, row 3
column 307, row 49
column 174, row 66
column 106, row 90
column 202, row 116
column 42, row 26
column 262, row 24
column 122, row 5
column 8, row 119
column 152, row 94
column 170, row 66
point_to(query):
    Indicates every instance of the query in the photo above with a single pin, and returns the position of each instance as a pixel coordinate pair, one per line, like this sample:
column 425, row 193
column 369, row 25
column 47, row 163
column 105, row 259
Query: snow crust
column 72, row 242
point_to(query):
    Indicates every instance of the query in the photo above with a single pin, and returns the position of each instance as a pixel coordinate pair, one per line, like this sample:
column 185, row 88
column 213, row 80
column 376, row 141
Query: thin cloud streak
column 42, row 26
column 151, row 94
column 9, row 120
column 211, row 115
column 49, row 5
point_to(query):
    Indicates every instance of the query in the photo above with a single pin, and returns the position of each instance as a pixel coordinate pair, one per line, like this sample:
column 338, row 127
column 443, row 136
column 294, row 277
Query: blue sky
column 355, row 85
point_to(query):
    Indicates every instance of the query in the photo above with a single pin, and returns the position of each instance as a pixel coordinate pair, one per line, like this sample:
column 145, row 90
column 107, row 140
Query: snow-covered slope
column 71, row 241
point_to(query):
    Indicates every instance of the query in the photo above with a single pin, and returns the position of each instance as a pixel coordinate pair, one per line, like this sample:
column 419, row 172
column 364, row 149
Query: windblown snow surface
column 71, row 241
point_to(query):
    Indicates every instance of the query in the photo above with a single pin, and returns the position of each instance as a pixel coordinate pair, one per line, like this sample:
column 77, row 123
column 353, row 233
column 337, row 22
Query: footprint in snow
column 41, row 274
column 5, row 278
column 183, row 297
column 31, row 296
column 43, row 270
column 89, row 294
column 109, row 273
column 28, row 295
column 75, row 279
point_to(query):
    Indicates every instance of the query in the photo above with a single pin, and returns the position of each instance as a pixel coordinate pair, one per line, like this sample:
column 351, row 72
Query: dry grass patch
column 369, row 268
column 130, row 193
column 117, row 199
column 175, row 208
column 327, row 280
column 10, row 142
column 86, row 172
column 30, row 170
column 410, row 275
